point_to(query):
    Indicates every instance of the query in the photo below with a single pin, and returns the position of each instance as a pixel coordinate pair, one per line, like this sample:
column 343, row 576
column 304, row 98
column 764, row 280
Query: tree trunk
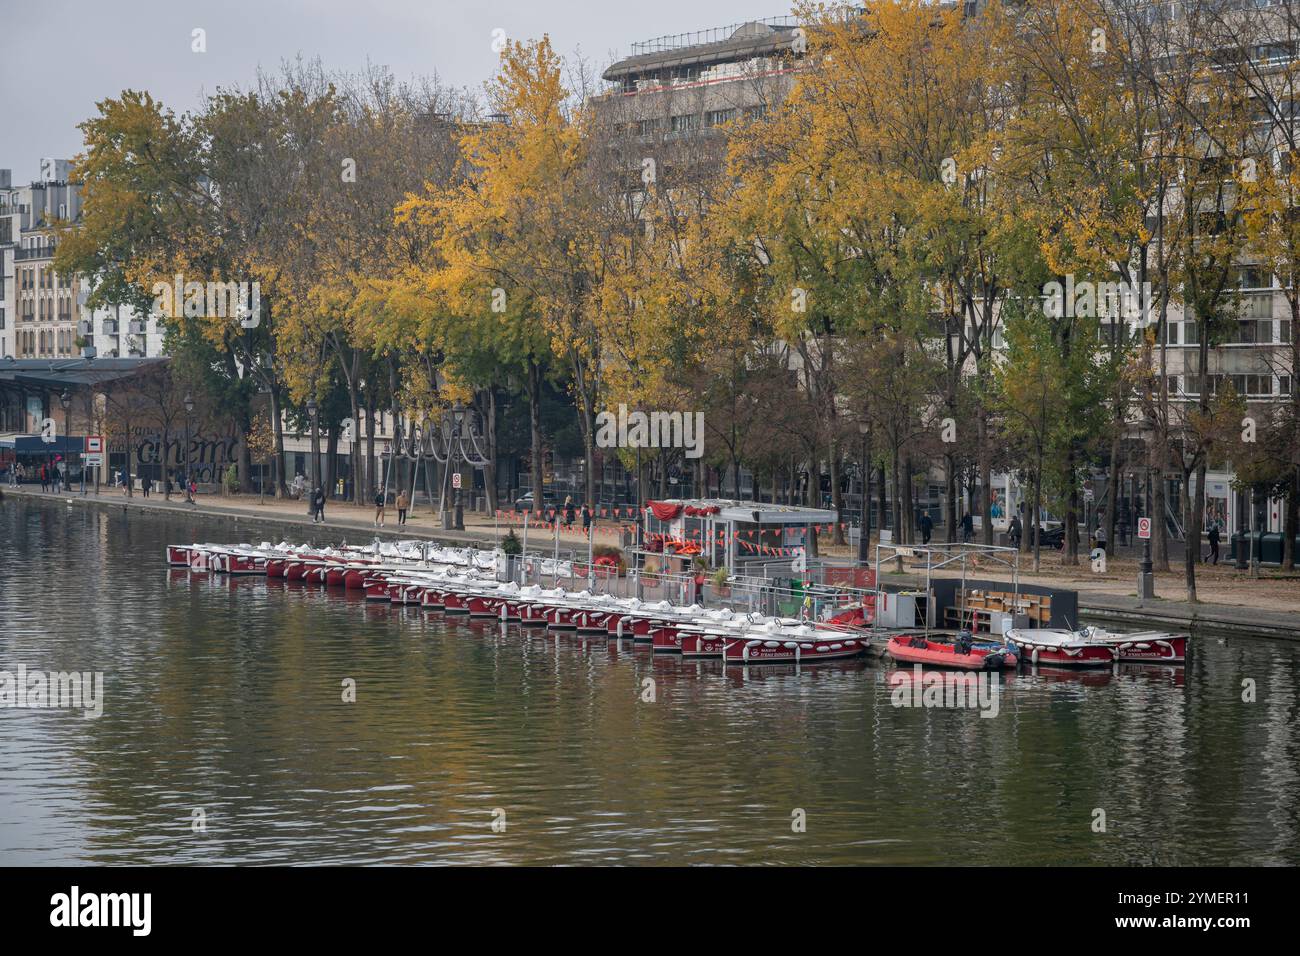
column 882, row 510
column 1192, row 522
column 369, row 468
column 1159, row 528
column 1292, row 513
column 535, row 430
column 1113, row 479
column 166, row 468
column 1071, row 515
column 950, row 496
column 354, row 459
column 986, row 480
column 281, row 487
column 1038, row 510
column 331, row 459
column 490, row 438
column 837, row 498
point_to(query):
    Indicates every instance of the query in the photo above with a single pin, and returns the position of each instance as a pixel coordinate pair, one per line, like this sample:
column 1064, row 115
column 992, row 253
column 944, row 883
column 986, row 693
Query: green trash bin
column 1270, row 548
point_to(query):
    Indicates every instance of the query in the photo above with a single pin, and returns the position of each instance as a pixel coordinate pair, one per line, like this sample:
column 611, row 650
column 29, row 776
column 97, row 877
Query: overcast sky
column 60, row 57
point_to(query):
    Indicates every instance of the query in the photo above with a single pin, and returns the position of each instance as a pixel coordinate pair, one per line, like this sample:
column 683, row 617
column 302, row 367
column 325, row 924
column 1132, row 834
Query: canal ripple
column 223, row 704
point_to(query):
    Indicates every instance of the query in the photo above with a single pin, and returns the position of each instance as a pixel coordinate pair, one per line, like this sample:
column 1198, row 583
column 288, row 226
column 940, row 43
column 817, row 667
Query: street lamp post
column 66, row 401
column 189, row 411
column 312, row 412
column 357, row 495
column 458, row 424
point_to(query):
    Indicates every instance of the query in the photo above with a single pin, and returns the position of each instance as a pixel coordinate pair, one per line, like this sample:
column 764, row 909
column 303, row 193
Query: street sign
column 94, row 444
column 1144, row 527
column 455, row 480
column 92, row 460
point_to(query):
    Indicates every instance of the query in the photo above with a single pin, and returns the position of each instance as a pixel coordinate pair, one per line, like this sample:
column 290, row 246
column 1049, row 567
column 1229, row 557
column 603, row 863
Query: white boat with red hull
column 774, row 643
column 1053, row 647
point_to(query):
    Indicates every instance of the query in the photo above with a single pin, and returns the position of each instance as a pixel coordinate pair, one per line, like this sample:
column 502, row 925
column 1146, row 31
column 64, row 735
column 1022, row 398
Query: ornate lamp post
column 459, row 440
column 457, row 424
column 189, row 411
column 66, row 401
column 312, row 412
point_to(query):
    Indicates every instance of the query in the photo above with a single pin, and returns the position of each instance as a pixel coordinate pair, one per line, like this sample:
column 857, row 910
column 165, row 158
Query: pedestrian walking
column 570, row 514
column 45, row 478
column 403, row 503
column 586, row 519
column 191, row 490
column 1099, row 536
column 927, row 527
column 1014, row 531
column 1214, row 542
column 146, row 485
column 379, row 508
column 318, row 505
column 967, row 528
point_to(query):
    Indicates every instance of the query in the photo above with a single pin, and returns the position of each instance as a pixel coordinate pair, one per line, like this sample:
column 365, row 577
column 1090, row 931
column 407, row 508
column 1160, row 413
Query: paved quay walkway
column 1230, row 600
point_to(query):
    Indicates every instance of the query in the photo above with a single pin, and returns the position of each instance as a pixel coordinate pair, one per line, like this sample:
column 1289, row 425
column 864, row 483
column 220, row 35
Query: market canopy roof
column 57, row 374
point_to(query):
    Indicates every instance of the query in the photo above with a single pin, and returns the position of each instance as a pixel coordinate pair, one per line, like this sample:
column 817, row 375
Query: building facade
column 44, row 315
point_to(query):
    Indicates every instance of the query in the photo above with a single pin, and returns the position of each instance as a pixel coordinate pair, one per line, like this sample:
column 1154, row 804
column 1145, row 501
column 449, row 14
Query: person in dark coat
column 967, row 528
column 1014, row 531
column 1214, row 542
column 927, row 527
column 317, row 505
column 570, row 513
column 586, row 519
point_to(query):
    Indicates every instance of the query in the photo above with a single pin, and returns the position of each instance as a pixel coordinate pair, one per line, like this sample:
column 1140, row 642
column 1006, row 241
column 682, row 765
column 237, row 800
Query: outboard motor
column 994, row 661
column 963, row 642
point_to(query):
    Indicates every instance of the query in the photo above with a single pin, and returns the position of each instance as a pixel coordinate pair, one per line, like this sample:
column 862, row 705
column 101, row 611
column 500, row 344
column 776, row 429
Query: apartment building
column 44, row 314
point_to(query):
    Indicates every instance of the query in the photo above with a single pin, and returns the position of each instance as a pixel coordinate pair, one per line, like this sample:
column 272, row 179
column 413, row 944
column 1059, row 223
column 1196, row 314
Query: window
column 755, row 112
column 686, row 123
column 719, row 117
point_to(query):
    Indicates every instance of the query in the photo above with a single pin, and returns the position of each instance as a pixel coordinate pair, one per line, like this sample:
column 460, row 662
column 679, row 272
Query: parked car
column 1053, row 538
column 525, row 502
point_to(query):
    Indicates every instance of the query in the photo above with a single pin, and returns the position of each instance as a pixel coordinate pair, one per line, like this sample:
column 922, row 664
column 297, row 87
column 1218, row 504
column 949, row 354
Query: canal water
column 225, row 737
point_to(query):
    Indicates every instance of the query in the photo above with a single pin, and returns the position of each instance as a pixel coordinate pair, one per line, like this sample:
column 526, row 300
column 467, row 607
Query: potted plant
column 720, row 582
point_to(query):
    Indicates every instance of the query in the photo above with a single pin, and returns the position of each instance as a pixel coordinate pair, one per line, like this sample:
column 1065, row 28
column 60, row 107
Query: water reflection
column 225, row 696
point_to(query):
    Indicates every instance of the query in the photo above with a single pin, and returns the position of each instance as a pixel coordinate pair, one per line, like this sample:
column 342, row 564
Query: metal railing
column 771, row 595
column 679, row 41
